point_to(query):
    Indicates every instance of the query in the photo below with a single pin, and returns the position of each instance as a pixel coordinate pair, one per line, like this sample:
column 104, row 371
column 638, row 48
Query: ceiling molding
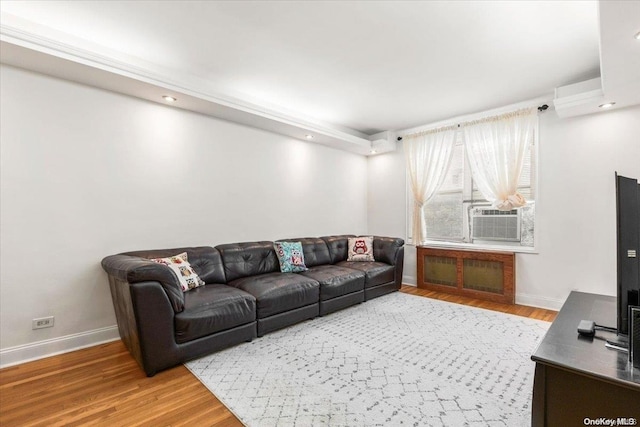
column 619, row 65
column 49, row 56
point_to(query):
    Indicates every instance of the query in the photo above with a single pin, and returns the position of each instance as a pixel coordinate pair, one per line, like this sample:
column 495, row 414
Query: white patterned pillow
column 179, row 264
column 360, row 249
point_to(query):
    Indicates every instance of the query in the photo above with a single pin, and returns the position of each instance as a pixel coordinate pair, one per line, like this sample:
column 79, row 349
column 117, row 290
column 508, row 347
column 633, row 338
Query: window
column 458, row 212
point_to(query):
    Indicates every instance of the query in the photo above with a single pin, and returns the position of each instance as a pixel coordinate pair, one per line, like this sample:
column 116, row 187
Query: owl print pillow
column 290, row 256
column 179, row 264
column 361, row 249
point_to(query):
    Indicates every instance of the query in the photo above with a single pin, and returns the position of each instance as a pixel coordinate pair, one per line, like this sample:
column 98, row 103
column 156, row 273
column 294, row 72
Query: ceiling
column 350, row 68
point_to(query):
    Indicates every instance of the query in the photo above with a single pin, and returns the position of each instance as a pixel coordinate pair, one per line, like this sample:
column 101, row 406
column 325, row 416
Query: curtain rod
column 541, row 108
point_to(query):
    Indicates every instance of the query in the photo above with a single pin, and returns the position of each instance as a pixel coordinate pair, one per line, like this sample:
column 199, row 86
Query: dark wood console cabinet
column 578, row 378
column 477, row 274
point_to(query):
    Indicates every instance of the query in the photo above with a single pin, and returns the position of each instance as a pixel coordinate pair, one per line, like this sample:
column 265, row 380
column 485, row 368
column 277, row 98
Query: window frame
column 468, row 204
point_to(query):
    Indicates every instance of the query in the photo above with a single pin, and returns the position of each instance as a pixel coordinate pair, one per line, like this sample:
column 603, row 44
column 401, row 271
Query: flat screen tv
column 628, row 241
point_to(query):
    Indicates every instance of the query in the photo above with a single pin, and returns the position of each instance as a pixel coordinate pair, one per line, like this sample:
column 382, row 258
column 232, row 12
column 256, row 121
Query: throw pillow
column 179, row 264
column 290, row 256
column 360, row 249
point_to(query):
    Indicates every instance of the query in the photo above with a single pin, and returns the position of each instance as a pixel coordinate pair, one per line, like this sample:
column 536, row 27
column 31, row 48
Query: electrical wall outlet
column 43, row 322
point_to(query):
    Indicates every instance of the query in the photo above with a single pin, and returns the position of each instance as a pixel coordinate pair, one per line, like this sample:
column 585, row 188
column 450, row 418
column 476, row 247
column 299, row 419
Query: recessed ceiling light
column 637, row 36
column 607, row 105
column 373, row 151
column 308, row 136
column 169, row 98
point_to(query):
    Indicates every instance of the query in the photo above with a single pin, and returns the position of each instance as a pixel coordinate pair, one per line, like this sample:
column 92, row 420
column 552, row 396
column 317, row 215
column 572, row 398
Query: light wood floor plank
column 103, row 386
column 519, row 310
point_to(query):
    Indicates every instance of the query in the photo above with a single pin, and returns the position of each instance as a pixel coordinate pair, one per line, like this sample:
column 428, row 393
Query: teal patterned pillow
column 290, row 256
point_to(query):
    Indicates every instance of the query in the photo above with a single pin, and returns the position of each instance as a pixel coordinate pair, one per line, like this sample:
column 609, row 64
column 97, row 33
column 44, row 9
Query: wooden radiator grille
column 479, row 274
column 441, row 271
column 485, row 276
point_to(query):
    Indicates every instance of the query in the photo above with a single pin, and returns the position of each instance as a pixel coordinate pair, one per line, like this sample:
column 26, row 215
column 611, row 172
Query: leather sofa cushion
column 376, row 273
column 205, row 260
column 279, row 292
column 248, row 259
column 336, row 281
column 385, row 249
column 133, row 269
column 338, row 247
column 315, row 250
column 213, row 308
column 136, row 267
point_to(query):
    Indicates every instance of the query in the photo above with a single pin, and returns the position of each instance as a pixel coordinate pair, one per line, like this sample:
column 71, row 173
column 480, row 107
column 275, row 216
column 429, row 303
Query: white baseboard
column 51, row 347
column 538, row 301
column 522, row 299
column 409, row 280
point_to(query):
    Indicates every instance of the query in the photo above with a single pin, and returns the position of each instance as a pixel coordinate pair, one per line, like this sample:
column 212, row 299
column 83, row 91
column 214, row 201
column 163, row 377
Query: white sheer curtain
column 496, row 148
column 428, row 155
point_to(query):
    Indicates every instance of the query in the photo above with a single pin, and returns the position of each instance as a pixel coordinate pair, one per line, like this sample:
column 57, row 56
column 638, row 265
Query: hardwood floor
column 519, row 310
column 104, row 386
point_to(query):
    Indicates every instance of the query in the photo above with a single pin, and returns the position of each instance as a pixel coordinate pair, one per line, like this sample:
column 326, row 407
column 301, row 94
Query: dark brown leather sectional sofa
column 245, row 294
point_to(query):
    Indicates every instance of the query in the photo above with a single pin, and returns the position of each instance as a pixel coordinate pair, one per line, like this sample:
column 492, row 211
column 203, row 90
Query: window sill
column 479, row 247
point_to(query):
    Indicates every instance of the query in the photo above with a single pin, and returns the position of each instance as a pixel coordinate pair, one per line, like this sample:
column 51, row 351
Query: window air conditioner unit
column 492, row 224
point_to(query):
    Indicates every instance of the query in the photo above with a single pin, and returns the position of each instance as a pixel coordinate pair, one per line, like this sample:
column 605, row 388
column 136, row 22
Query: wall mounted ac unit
column 383, row 142
column 492, row 224
column 579, row 98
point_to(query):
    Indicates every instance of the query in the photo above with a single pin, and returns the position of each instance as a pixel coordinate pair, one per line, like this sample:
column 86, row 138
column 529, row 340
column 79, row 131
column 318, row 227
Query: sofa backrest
column 385, row 249
column 136, row 267
column 338, row 247
column 315, row 250
column 248, row 259
column 205, row 260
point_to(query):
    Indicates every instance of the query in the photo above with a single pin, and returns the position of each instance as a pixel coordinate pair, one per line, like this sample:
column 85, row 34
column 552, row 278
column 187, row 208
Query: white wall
column 576, row 237
column 87, row 173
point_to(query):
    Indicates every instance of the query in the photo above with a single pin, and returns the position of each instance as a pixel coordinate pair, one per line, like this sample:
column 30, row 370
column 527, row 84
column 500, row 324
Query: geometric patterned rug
column 397, row 360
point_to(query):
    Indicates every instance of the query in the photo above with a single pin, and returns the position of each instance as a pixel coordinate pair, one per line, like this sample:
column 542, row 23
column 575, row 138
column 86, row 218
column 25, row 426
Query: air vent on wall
column 579, row 98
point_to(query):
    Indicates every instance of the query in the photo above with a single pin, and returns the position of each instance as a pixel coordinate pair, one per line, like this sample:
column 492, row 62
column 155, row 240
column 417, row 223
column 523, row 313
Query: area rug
column 398, row 360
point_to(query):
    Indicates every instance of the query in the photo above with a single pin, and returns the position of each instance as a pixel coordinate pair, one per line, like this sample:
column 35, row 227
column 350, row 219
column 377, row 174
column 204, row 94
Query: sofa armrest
column 386, row 249
column 155, row 326
column 132, row 269
column 399, row 264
